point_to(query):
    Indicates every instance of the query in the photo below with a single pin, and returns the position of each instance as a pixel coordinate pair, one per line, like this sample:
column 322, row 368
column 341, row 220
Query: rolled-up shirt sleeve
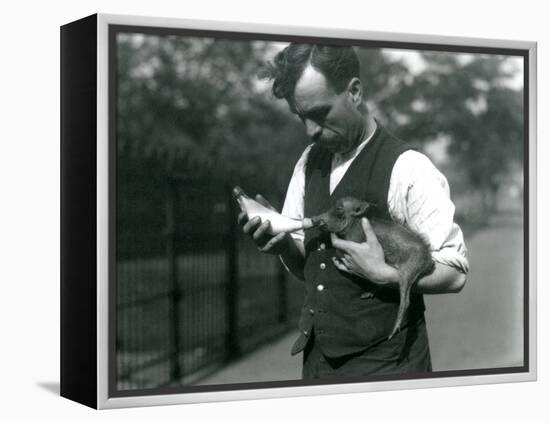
column 419, row 198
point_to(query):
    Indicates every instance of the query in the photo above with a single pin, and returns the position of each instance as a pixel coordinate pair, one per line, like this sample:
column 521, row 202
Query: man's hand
column 365, row 259
column 258, row 232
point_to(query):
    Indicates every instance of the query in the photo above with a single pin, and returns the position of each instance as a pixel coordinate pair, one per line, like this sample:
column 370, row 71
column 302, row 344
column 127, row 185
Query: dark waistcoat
column 348, row 313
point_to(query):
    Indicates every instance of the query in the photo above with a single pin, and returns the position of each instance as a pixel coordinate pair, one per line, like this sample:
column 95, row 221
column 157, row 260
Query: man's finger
column 261, row 231
column 272, row 242
column 242, row 218
column 367, row 229
column 260, row 199
column 341, row 244
column 339, row 265
column 251, row 225
column 345, row 261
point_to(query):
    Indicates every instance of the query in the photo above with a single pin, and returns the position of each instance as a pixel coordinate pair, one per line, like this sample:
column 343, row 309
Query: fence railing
column 192, row 293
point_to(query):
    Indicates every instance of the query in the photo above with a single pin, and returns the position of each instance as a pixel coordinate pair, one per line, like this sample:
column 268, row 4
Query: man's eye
column 319, row 115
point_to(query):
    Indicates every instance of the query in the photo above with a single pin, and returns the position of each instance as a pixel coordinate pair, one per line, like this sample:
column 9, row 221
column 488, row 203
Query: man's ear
column 355, row 90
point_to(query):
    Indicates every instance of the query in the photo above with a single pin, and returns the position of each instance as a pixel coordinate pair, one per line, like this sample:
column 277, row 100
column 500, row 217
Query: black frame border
column 78, row 211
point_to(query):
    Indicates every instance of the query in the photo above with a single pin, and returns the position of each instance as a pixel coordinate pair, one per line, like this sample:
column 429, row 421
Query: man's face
column 331, row 119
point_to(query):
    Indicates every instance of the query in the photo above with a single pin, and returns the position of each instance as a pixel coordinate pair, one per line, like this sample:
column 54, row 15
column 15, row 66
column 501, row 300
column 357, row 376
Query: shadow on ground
column 51, row 387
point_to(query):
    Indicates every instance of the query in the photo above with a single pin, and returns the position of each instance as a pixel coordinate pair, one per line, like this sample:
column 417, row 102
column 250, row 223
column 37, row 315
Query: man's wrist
column 389, row 277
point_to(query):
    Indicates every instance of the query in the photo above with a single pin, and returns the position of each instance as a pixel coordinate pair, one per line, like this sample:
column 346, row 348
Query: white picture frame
column 94, row 389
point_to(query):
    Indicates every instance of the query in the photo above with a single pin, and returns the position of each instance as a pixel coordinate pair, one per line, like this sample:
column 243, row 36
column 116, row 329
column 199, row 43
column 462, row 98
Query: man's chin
column 331, row 146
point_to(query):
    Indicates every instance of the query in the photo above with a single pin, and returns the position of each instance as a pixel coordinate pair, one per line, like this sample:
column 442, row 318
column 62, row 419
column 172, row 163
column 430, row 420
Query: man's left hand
column 364, row 259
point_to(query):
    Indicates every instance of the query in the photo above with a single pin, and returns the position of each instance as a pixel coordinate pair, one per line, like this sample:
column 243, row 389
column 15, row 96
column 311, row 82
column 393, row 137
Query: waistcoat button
column 320, row 287
column 322, row 266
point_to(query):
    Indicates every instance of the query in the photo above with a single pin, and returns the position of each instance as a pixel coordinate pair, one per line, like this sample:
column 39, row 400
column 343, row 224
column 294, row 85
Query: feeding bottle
column 278, row 222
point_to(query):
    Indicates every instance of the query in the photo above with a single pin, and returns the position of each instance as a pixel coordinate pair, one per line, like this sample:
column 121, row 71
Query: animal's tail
column 404, row 301
column 408, row 274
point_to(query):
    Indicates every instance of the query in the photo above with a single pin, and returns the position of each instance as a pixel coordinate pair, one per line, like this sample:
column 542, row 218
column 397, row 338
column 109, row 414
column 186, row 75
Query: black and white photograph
column 300, row 210
column 274, row 211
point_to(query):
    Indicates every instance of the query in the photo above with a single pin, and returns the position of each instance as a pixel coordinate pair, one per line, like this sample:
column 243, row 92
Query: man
column 350, row 304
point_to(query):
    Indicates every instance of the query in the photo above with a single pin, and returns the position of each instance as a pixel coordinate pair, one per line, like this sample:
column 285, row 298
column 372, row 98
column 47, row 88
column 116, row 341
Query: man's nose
column 313, row 129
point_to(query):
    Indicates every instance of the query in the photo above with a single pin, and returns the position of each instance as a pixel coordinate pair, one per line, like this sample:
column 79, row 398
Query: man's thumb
column 367, row 229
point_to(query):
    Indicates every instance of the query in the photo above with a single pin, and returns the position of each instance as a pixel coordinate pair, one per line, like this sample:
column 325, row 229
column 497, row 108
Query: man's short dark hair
column 338, row 64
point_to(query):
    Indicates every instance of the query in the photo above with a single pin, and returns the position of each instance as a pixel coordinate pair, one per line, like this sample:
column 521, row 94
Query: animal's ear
column 361, row 209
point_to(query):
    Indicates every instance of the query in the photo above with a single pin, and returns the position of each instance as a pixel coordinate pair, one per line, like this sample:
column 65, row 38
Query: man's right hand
column 258, row 232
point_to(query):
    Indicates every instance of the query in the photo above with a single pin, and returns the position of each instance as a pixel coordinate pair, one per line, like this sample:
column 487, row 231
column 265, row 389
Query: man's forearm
column 294, row 258
column 443, row 280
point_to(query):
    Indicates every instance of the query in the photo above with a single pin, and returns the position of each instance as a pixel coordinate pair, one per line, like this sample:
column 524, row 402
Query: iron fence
column 192, row 293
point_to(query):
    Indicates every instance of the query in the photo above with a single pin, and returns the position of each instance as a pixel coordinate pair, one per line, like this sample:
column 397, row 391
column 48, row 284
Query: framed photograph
column 392, row 243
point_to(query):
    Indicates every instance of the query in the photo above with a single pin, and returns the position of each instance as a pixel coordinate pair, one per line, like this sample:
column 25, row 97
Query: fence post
column 175, row 292
column 232, row 299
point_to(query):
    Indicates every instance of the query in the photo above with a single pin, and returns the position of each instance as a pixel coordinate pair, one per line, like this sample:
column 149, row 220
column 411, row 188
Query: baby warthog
column 403, row 248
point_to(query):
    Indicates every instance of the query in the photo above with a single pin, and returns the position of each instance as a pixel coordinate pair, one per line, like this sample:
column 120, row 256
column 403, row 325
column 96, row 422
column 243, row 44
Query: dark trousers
column 407, row 352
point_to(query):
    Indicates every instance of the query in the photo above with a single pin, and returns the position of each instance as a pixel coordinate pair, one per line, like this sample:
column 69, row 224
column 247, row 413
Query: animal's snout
column 324, row 227
column 320, row 221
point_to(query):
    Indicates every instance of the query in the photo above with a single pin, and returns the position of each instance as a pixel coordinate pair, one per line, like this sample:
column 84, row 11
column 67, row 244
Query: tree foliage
column 199, row 101
column 470, row 104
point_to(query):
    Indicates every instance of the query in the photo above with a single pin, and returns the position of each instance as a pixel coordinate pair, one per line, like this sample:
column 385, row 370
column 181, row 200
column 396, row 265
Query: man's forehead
column 311, row 88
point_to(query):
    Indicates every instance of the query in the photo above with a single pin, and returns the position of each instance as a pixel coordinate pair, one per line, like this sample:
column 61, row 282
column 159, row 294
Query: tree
column 199, row 99
column 467, row 100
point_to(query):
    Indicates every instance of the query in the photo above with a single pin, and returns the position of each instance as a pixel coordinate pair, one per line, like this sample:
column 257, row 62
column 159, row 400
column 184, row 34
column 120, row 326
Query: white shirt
column 418, row 197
